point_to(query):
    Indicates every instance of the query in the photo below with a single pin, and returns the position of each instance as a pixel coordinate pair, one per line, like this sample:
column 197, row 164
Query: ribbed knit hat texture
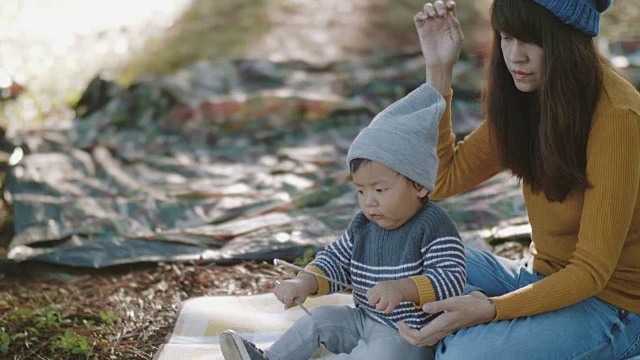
column 584, row 15
column 404, row 136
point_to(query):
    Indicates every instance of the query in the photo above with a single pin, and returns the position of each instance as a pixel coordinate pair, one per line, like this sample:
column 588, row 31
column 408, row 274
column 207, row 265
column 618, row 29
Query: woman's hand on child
column 385, row 295
column 298, row 288
column 457, row 312
column 440, row 34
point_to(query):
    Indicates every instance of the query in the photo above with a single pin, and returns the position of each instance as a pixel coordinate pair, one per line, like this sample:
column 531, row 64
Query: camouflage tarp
column 219, row 162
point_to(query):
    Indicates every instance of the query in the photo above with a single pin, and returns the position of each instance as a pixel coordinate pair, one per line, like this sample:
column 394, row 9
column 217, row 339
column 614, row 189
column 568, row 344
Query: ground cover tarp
column 222, row 161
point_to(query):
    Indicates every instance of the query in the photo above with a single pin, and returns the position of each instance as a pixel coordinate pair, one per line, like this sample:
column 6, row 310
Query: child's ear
column 423, row 192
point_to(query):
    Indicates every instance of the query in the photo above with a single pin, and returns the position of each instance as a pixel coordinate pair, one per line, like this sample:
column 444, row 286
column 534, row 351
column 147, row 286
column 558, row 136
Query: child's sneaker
column 234, row 347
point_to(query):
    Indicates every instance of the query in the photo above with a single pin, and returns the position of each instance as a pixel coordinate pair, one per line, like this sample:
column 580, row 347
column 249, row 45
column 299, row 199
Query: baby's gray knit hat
column 404, row 136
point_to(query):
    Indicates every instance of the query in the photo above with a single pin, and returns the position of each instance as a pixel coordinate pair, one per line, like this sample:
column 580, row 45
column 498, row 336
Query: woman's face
column 524, row 61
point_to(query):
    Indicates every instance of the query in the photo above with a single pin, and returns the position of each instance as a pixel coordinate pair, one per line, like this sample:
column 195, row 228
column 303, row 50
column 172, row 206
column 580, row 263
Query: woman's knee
column 481, row 258
column 464, row 347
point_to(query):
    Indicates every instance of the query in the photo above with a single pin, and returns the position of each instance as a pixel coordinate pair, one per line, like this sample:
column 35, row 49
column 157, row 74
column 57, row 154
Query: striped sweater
column 427, row 249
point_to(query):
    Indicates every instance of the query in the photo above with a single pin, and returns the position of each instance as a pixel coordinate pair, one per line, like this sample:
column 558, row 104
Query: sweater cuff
column 499, row 304
column 323, row 285
column 426, row 291
column 444, row 126
column 448, row 99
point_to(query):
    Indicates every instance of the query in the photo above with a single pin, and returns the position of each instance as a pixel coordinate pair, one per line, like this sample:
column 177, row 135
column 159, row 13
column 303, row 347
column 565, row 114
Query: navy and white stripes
column 445, row 266
column 427, row 245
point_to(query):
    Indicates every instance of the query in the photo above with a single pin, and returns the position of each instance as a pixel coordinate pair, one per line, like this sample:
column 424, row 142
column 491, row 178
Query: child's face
column 386, row 197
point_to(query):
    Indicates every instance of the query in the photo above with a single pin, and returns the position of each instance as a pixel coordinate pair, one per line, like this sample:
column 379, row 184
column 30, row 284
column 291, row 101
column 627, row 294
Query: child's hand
column 385, row 296
column 298, row 288
column 440, row 33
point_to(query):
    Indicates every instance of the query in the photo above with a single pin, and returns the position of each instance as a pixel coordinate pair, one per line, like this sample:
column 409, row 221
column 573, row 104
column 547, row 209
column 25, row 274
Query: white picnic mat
column 259, row 318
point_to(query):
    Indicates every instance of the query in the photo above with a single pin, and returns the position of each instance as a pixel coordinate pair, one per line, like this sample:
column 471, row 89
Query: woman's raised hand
column 440, row 34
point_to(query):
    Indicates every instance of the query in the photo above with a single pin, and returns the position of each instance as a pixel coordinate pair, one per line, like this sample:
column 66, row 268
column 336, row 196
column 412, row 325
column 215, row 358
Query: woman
column 562, row 121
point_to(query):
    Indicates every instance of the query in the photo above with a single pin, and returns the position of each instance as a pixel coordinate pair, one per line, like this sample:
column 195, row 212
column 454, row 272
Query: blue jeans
column 591, row 329
column 345, row 331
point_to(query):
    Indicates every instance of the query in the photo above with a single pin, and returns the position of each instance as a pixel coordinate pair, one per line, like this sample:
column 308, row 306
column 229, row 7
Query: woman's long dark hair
column 542, row 136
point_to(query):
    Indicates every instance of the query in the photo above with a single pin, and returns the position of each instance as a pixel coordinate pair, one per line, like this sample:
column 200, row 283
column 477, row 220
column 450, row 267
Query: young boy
column 399, row 252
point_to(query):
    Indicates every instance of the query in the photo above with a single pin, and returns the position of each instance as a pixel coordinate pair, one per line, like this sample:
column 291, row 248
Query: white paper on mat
column 259, row 318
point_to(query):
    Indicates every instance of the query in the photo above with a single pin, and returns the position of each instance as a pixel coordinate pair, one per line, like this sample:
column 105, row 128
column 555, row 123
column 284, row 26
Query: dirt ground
column 142, row 300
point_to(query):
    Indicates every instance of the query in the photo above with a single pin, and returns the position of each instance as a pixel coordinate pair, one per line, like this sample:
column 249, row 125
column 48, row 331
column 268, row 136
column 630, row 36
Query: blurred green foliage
column 226, row 28
column 206, row 30
column 229, row 28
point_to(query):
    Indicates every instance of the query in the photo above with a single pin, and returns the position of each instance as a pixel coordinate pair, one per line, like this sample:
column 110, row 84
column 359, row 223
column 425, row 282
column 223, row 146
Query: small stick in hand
column 298, row 302
column 279, row 262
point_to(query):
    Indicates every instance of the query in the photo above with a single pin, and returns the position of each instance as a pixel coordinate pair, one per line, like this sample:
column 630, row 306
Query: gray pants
column 344, row 331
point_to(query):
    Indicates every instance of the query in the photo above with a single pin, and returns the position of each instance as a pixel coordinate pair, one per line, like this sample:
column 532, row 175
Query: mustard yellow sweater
column 588, row 245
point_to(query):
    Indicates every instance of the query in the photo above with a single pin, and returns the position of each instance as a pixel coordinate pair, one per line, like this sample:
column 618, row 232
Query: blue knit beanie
column 583, row 15
column 404, row 136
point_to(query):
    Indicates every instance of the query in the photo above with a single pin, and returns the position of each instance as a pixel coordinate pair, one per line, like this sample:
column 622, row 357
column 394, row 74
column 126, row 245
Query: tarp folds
column 214, row 163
